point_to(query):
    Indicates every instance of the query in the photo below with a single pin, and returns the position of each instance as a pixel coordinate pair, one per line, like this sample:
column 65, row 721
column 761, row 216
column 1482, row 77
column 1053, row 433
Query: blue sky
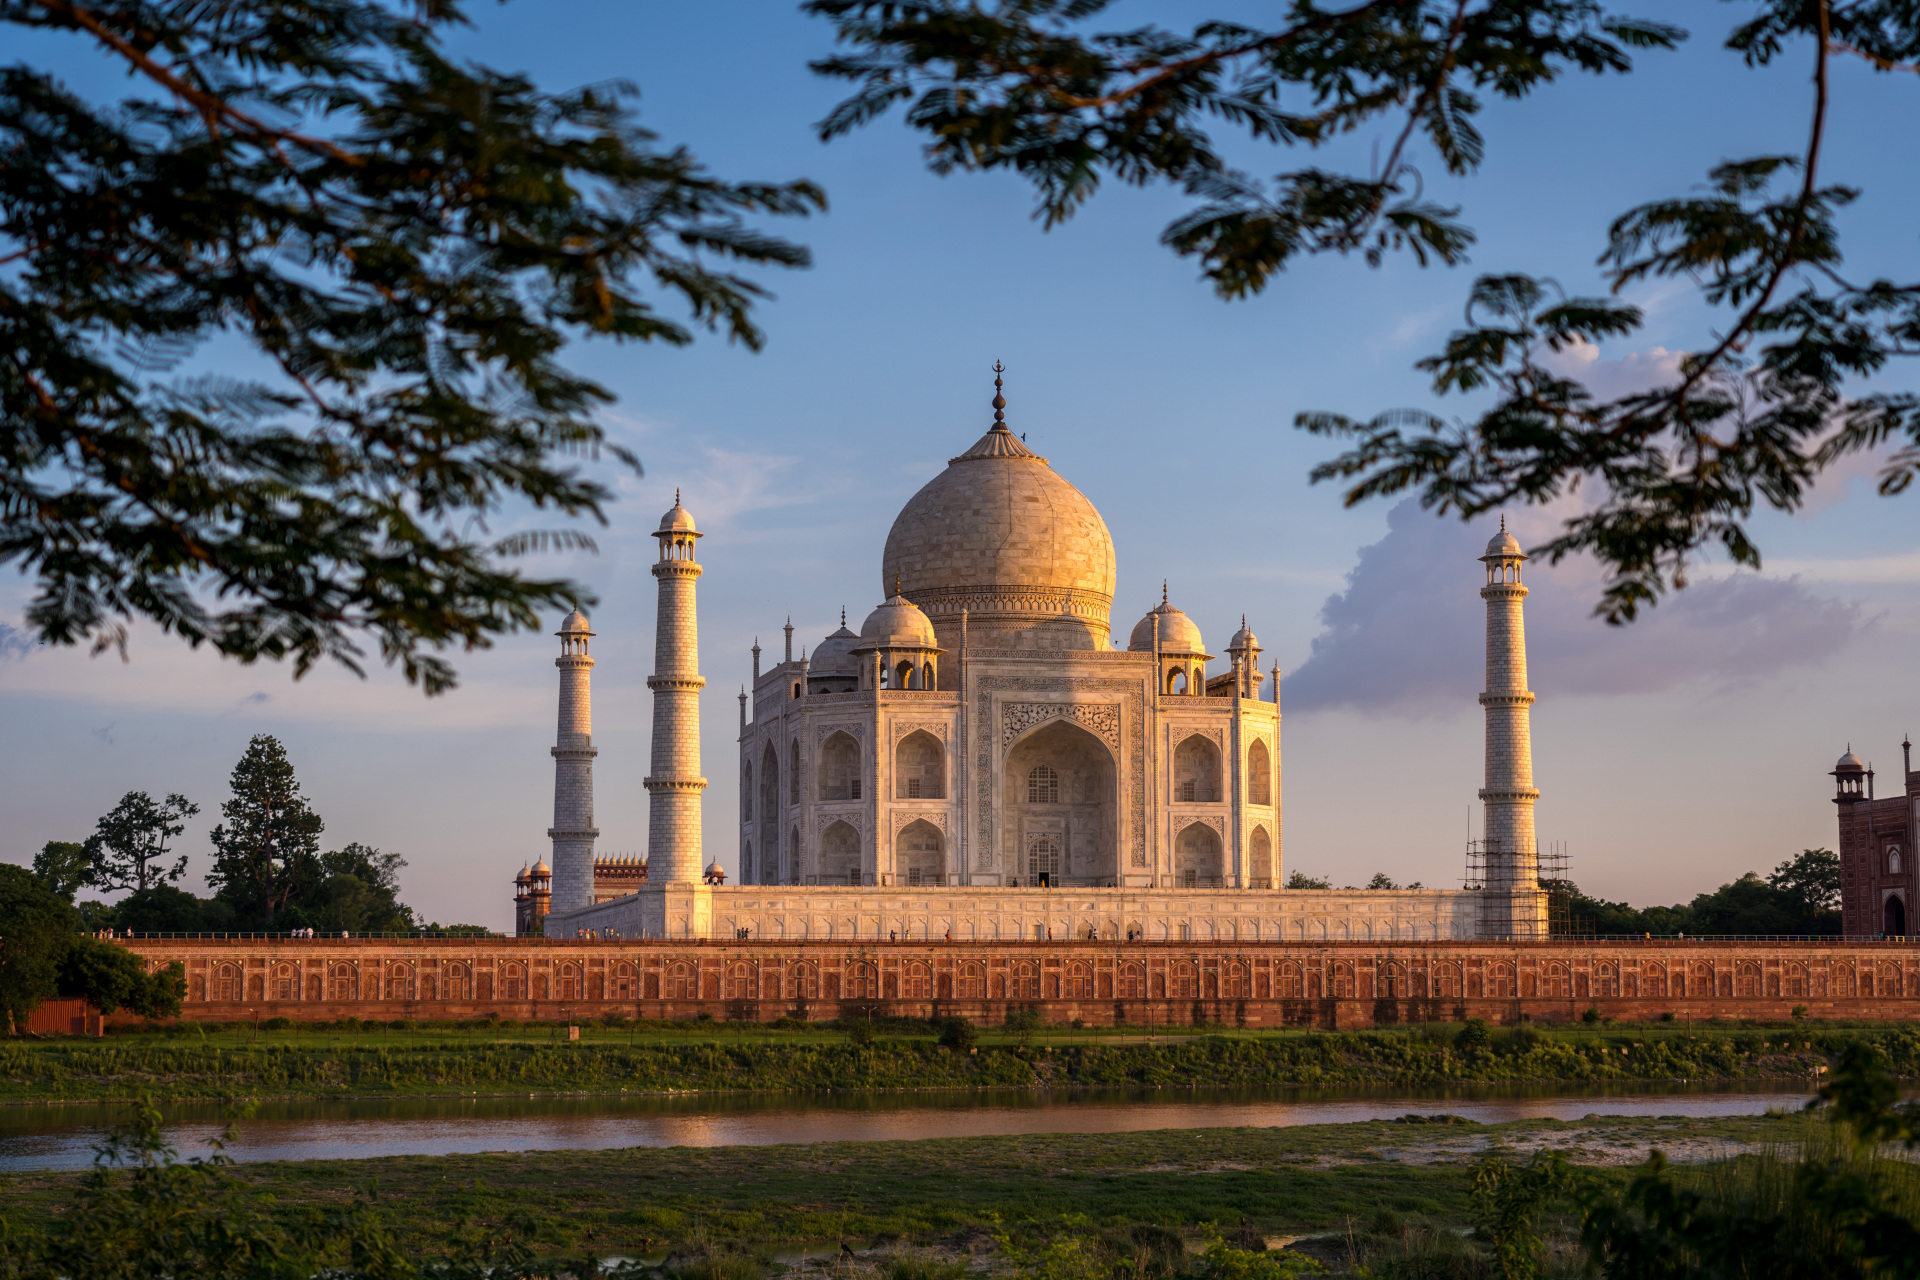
column 1671, row 757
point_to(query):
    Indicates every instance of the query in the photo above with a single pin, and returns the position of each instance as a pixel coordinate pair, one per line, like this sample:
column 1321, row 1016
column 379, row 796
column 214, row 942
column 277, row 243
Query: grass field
column 761, row 1204
column 425, row 1059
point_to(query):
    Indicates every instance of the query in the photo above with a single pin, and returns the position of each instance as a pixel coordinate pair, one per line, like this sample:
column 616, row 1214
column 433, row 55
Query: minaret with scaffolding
column 1514, row 904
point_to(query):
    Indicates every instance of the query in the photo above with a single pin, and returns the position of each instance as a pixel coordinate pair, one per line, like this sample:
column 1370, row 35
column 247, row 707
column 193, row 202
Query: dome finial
column 843, row 615
column 1163, row 592
column 999, row 400
column 676, row 502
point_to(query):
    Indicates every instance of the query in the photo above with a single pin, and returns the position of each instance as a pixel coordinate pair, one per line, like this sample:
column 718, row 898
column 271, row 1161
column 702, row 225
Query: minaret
column 675, row 784
column 573, row 831
column 1515, row 905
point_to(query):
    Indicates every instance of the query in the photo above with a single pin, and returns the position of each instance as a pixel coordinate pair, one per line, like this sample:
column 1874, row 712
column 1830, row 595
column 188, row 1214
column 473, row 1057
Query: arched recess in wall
column 1060, row 787
column 1259, row 774
column 769, row 816
column 793, row 772
column 1196, row 770
column 796, row 860
column 920, row 855
column 840, row 855
column 1260, row 860
column 839, row 767
column 746, row 863
column 746, row 791
column 919, row 768
column 1197, row 860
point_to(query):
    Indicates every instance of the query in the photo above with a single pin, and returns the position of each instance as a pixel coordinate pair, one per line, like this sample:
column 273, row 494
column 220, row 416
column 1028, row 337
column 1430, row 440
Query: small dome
column 1244, row 637
column 1504, row 545
column 834, row 655
column 715, row 869
column 526, row 874
column 575, row 624
column 678, row 519
column 1178, row 634
column 898, row 624
column 541, row 868
column 1850, row 763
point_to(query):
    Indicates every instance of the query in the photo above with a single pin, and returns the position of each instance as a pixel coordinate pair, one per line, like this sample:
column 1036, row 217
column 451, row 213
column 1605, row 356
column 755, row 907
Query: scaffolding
column 1551, row 880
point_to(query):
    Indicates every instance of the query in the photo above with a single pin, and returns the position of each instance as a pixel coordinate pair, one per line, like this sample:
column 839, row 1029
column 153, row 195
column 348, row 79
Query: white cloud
column 1609, row 379
column 1407, row 633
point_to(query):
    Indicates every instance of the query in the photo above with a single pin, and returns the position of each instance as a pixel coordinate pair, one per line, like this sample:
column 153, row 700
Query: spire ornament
column 999, row 400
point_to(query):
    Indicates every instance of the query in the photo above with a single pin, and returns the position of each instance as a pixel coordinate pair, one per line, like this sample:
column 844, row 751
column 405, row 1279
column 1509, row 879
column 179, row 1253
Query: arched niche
column 1196, row 771
column 1197, row 857
column 919, row 768
column 769, row 870
column 793, row 772
column 840, row 855
column 746, row 863
column 794, row 861
column 1059, row 785
column 1259, row 774
column 920, row 855
column 1260, row 859
column 839, row 768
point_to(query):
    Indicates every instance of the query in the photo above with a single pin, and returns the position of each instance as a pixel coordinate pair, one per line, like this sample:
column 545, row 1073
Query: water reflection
column 63, row 1137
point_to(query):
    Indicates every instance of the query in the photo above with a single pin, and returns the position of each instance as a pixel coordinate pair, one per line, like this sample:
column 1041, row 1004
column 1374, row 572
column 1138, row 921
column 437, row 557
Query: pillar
column 674, row 784
column 1514, row 905
column 573, row 832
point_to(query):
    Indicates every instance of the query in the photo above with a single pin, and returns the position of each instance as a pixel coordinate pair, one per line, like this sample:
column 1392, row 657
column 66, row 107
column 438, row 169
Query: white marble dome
column 898, row 624
column 1178, row 632
column 999, row 533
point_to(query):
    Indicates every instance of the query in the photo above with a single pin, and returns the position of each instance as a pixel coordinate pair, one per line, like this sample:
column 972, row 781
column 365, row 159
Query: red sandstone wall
column 1102, row 983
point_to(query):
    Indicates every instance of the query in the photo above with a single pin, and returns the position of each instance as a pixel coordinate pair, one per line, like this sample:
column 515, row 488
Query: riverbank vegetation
column 1209, row 1204
column 420, row 1059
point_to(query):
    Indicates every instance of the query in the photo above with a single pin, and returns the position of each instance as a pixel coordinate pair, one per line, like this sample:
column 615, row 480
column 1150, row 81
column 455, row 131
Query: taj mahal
column 981, row 760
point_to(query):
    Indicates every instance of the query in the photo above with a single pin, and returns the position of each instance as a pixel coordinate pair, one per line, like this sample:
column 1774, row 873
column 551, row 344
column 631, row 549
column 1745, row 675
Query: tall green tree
column 267, row 849
column 404, row 243
column 1751, row 418
column 64, row 866
column 128, row 848
column 36, row 927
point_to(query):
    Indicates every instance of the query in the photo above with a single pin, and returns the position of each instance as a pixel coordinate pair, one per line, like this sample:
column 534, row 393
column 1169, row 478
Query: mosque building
column 981, row 760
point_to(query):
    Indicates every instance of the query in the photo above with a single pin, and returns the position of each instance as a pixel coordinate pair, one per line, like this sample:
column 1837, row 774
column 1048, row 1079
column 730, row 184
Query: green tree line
column 269, row 871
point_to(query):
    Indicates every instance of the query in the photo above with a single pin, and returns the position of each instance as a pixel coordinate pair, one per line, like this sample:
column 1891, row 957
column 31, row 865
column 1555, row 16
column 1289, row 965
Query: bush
column 788, row 1022
column 958, row 1034
column 1023, row 1021
column 858, row 1030
column 276, row 1024
column 1474, row 1035
column 1591, row 1016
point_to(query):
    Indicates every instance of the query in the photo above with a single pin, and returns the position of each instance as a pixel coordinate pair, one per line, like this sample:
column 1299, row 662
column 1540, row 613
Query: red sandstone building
column 1877, row 837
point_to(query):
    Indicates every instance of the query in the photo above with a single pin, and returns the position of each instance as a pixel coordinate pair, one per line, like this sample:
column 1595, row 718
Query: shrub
column 958, row 1034
column 1023, row 1021
column 1474, row 1035
column 276, row 1024
column 788, row 1022
column 858, row 1030
column 1591, row 1016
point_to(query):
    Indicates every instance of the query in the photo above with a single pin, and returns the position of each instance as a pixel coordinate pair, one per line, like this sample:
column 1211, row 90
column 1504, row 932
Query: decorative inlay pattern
column 858, row 732
column 854, row 818
column 1182, row 732
column 1101, row 718
column 901, row 728
column 905, row 818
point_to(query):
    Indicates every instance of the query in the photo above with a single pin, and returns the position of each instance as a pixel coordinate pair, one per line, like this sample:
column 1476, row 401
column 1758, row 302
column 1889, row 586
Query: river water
column 64, row 1137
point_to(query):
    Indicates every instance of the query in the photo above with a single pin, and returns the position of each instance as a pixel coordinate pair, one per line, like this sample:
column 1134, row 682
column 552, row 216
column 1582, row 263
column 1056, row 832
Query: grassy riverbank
column 756, row 1204
column 425, row 1061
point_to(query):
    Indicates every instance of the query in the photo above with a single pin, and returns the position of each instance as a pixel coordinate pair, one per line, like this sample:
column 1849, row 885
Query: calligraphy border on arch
column 1102, row 718
column 1133, row 715
column 904, row 818
column 901, row 728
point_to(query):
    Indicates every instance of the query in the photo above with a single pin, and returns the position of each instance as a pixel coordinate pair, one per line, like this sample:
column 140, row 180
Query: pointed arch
column 793, row 772
column 769, row 816
column 1259, row 774
column 838, row 764
column 1197, row 856
column 1196, row 770
column 920, row 767
column 1260, row 860
column 920, row 855
column 839, row 854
